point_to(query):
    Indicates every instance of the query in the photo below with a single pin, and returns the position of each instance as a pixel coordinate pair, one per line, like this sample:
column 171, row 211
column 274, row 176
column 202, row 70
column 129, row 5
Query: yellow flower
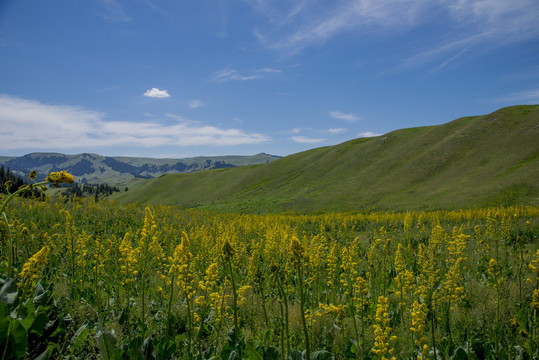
column 382, row 330
column 535, row 300
column 32, row 268
column 57, row 178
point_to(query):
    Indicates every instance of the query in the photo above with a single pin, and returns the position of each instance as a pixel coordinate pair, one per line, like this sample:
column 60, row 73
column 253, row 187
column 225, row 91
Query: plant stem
column 235, row 302
column 302, row 309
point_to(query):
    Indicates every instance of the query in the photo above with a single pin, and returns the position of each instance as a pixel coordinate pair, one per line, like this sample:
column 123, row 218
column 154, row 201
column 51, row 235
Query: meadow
column 84, row 279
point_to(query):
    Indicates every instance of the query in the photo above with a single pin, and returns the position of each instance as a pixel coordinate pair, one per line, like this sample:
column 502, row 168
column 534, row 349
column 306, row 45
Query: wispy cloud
column 528, row 97
column 336, row 130
column 30, row 124
column 227, row 74
column 114, row 11
column 343, row 116
column 156, row 93
column 460, row 23
column 368, row 134
column 306, row 140
column 193, row 104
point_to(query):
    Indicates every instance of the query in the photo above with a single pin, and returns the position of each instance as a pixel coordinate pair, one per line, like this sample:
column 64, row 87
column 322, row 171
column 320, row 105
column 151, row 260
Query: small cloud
column 306, row 140
column 342, row 116
column 528, row 97
column 227, row 74
column 156, row 93
column 368, row 134
column 231, row 75
column 115, row 12
column 268, row 70
column 193, row 104
column 336, row 131
column 295, row 131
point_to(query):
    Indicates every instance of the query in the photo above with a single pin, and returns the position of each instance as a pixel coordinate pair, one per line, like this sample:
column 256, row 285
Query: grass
column 472, row 161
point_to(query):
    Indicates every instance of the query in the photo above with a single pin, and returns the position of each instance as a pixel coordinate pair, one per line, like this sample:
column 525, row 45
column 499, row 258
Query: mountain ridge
column 94, row 168
column 471, row 161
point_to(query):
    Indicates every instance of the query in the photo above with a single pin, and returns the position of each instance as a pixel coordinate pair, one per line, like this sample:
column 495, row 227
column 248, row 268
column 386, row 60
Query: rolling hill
column 98, row 169
column 472, row 161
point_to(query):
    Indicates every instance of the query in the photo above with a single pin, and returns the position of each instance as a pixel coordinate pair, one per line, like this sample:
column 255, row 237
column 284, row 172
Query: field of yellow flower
column 85, row 279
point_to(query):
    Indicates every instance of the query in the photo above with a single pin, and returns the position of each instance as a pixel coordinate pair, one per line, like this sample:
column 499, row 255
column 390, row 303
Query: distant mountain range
column 97, row 169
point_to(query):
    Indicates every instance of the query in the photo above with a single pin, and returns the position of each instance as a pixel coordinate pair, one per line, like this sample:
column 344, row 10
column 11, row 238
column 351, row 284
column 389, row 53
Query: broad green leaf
column 3, row 310
column 17, row 340
column 80, row 336
column 38, row 324
column 8, row 291
column 41, row 297
column 459, row 354
column 106, row 342
column 271, row 353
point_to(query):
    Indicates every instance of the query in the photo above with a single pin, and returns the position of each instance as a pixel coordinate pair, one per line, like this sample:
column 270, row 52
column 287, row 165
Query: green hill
column 471, row 161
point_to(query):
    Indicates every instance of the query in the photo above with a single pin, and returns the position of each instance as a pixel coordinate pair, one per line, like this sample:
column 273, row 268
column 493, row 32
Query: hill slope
column 471, row 161
column 94, row 168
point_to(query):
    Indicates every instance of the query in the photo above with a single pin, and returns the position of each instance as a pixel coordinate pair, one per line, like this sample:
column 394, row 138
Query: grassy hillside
column 479, row 160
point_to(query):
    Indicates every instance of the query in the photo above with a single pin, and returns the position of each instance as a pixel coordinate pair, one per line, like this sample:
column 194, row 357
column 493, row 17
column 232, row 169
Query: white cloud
column 342, row 116
column 368, row 134
column 227, row 74
column 336, row 130
column 462, row 23
column 306, row 140
column 156, row 93
column 193, row 104
column 528, row 97
column 269, row 70
column 114, row 11
column 28, row 124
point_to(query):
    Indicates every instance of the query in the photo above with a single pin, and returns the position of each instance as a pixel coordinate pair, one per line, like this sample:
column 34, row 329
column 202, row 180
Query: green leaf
column 459, row 354
column 41, row 297
column 38, row 324
column 8, row 291
column 522, row 354
column 322, row 355
column 166, row 348
column 253, row 352
column 4, row 330
column 45, row 354
column 17, row 340
column 80, row 336
column 295, row 355
column 3, row 310
column 106, row 342
column 271, row 353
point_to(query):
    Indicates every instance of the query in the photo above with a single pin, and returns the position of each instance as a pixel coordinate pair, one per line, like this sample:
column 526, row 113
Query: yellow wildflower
column 32, row 268
column 57, row 178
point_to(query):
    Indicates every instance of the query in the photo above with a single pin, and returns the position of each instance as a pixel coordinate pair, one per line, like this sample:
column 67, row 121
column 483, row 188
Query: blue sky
column 164, row 78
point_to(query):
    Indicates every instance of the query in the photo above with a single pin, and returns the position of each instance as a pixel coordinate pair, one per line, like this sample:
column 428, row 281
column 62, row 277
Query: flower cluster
column 382, row 330
column 57, row 178
column 419, row 317
column 32, row 268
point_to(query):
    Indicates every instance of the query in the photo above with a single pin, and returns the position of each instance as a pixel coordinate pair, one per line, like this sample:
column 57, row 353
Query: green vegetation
column 87, row 279
column 101, row 280
column 472, row 161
